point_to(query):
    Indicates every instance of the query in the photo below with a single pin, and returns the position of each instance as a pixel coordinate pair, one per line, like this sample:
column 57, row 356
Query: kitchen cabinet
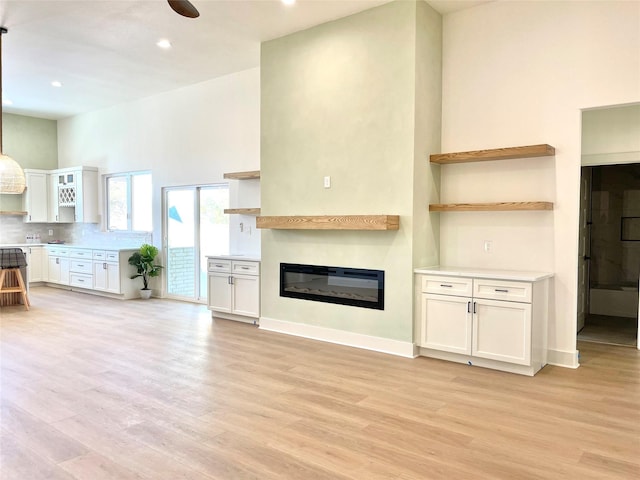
column 486, row 318
column 80, row 268
column 73, row 195
column 58, row 269
column 234, row 288
column 58, row 213
column 35, row 197
column 97, row 271
column 106, row 271
column 37, row 264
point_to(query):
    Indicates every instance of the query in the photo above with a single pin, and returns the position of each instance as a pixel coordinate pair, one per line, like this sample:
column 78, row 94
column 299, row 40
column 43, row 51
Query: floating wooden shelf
column 489, row 207
column 243, row 175
column 242, row 211
column 331, row 222
column 508, row 153
column 10, row 212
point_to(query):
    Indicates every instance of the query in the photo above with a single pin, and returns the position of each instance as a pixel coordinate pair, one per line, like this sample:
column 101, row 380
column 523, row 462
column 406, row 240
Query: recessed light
column 164, row 43
column 288, row 2
column 6, row 101
column 56, row 84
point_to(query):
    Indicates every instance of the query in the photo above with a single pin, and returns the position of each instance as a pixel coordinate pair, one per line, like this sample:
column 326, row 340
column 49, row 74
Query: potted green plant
column 144, row 261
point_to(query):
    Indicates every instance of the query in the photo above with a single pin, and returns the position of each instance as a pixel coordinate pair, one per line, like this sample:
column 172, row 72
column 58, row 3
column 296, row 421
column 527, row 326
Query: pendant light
column 11, row 174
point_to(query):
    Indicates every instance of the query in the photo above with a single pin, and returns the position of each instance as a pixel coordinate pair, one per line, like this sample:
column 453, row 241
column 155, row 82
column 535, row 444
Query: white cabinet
column 102, row 272
column 106, row 271
column 492, row 322
column 57, row 213
column 80, row 268
column 453, row 333
column 35, row 198
column 58, row 271
column 234, row 288
column 37, row 264
column 73, row 195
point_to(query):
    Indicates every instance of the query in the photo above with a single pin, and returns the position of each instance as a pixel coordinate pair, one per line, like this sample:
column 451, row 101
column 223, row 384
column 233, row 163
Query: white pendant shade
column 11, row 176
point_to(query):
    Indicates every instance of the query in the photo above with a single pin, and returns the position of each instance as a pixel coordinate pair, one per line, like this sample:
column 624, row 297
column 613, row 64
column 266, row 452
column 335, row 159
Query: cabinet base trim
column 232, row 316
column 481, row 362
column 74, row 288
column 340, row 337
column 560, row 358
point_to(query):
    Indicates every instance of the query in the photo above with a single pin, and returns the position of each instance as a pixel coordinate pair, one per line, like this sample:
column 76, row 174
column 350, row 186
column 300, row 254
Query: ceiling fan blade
column 184, row 8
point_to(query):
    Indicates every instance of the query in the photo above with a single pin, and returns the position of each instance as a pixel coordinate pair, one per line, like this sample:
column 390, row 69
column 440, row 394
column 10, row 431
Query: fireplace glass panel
column 346, row 286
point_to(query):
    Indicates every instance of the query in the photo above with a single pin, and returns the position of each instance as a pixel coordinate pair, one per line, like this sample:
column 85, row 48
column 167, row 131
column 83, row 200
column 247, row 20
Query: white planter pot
column 146, row 294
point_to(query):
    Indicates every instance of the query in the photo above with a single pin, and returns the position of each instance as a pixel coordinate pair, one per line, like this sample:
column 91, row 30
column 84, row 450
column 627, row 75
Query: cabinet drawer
column 219, row 265
column 99, row 255
column 447, row 285
column 502, row 290
column 81, row 266
column 88, row 254
column 81, row 280
column 246, row 268
column 112, row 256
column 58, row 252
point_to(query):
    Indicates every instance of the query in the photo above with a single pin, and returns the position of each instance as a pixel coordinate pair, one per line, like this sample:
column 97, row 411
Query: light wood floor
column 96, row 389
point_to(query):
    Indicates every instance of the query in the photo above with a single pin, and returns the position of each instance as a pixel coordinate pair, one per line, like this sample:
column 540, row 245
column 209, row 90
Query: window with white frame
column 129, row 202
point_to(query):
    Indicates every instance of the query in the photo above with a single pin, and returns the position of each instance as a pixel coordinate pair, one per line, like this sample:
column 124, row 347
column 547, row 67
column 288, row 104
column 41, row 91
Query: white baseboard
column 350, row 339
column 561, row 358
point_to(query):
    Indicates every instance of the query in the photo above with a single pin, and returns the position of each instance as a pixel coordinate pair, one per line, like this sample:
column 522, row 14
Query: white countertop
column 68, row 245
column 251, row 258
column 515, row 275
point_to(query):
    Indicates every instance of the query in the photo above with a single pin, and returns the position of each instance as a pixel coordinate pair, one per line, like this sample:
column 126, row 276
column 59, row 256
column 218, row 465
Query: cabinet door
column 86, row 210
column 99, row 276
column 57, row 214
column 219, row 292
column 54, row 269
column 246, row 295
column 502, row 331
column 113, row 277
column 64, row 271
column 446, row 323
column 36, row 202
column 35, row 264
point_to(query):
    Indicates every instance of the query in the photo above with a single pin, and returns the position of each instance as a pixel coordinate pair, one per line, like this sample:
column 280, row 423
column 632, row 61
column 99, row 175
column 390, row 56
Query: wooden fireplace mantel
column 330, row 222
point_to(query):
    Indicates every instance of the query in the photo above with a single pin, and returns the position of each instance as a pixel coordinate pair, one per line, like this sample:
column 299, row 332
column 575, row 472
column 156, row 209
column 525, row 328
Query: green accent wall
column 33, row 143
column 340, row 100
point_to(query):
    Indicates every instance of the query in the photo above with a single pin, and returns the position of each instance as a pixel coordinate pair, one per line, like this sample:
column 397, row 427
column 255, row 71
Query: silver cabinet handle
column 245, row 268
column 447, row 286
column 468, row 307
column 219, row 266
column 502, row 290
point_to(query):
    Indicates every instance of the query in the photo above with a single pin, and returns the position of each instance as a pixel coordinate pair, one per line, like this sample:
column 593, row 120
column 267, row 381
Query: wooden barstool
column 11, row 260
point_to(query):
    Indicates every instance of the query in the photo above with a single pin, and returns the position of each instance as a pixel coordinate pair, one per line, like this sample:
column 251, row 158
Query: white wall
column 519, row 73
column 187, row 136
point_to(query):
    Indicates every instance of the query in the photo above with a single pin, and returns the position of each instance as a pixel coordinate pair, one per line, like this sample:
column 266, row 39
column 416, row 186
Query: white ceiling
column 104, row 51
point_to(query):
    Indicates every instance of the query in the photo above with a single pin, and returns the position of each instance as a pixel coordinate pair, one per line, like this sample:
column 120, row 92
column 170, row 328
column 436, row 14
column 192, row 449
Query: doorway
column 609, row 270
column 195, row 227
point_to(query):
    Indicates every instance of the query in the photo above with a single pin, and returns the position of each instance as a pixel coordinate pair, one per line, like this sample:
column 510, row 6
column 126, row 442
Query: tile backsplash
column 13, row 230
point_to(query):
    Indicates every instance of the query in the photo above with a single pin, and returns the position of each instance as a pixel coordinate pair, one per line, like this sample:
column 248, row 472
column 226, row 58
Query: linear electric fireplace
column 347, row 286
